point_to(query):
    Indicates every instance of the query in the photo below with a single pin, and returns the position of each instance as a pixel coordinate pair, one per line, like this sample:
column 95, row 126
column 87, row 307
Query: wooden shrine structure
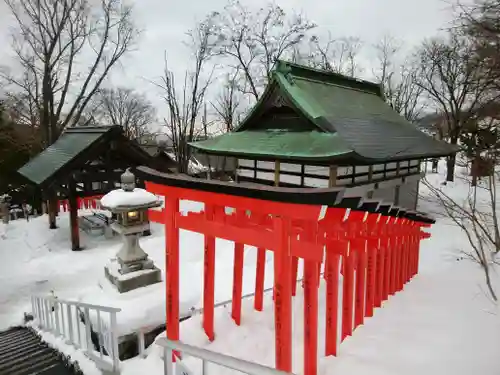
column 314, row 128
column 81, row 166
column 375, row 246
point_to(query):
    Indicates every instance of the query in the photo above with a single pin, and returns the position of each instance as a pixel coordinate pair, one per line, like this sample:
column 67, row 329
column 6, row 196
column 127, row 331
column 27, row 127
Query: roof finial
column 128, row 180
column 286, row 70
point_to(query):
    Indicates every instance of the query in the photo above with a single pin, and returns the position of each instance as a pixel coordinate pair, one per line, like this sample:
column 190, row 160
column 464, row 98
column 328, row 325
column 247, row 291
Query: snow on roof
column 119, row 198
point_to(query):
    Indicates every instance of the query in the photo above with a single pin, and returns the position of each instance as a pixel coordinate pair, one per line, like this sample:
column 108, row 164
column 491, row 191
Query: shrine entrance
column 374, row 246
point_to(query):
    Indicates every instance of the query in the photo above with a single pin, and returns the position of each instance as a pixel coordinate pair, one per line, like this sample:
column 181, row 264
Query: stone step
column 16, row 341
column 25, row 356
column 32, row 368
column 18, row 346
column 22, row 352
column 13, row 337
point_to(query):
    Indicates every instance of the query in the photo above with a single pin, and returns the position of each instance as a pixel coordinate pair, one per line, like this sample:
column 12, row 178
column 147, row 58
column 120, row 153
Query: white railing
column 207, row 356
column 64, row 318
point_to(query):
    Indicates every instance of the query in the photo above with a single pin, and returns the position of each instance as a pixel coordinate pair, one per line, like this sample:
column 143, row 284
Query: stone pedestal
column 126, row 282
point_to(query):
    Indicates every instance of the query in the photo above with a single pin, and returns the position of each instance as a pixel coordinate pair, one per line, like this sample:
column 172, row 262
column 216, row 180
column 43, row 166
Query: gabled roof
column 347, row 118
column 75, row 146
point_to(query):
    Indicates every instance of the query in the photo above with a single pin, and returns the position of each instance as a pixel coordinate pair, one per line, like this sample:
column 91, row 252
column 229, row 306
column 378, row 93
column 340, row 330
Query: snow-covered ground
column 36, row 260
column 443, row 322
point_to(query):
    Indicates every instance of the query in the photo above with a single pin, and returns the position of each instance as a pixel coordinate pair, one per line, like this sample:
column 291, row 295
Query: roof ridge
column 338, row 85
column 286, row 67
column 91, row 129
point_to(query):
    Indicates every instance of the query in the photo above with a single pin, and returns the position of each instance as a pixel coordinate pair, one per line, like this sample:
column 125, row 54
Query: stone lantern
column 132, row 268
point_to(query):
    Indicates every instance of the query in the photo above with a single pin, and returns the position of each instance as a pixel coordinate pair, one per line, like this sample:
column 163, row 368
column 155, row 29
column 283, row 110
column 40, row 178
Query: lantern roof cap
column 120, row 200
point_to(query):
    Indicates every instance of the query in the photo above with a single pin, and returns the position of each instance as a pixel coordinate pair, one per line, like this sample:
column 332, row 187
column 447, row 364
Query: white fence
column 64, row 318
column 207, row 357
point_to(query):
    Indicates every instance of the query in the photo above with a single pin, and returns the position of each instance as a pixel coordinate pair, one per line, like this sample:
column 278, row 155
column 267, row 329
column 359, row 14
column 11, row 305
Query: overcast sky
column 165, row 22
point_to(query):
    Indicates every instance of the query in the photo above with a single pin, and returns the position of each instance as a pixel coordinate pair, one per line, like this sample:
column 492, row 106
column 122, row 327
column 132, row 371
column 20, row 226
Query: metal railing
column 72, row 320
column 207, row 356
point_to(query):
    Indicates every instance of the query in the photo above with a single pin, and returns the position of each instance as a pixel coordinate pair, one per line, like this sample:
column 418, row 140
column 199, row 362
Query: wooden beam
column 89, row 177
column 370, row 173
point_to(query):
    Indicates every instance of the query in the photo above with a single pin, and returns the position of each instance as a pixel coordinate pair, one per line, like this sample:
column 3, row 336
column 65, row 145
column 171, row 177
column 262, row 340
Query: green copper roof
column 352, row 112
column 285, row 144
column 69, row 145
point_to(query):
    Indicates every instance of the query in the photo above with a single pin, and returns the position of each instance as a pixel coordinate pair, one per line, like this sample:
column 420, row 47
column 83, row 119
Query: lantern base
column 131, row 280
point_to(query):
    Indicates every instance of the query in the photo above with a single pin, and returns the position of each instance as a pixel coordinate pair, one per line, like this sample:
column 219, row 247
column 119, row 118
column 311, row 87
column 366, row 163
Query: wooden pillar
column 73, row 216
column 359, row 312
column 370, row 173
column 237, row 282
column 394, row 263
column 209, row 279
column 397, row 190
column 380, row 271
column 348, row 293
column 387, row 268
column 371, row 278
column 332, row 295
column 295, row 270
column 52, row 210
column 277, row 173
column 172, row 267
column 259, row 279
column 332, row 178
column 310, row 318
column 283, row 296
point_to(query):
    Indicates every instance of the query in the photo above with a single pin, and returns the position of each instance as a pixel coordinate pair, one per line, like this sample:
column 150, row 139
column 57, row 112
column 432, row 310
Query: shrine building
column 313, row 128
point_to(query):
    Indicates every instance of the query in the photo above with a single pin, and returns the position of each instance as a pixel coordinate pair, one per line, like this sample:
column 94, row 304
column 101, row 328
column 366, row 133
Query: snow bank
column 119, row 198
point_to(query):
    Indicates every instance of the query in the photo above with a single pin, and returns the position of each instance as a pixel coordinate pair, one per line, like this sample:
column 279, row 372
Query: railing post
column 167, row 361
column 77, row 315
column 140, row 337
column 114, row 342
column 88, row 337
column 47, row 315
column 41, row 319
column 204, row 367
column 33, row 307
column 63, row 326
column 70, row 324
column 56, row 318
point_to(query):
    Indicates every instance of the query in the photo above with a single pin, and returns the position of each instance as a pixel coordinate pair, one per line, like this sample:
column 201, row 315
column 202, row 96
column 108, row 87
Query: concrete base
column 132, row 280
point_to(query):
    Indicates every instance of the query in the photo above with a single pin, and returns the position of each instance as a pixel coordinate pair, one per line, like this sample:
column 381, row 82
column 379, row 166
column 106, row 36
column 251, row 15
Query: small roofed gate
column 374, row 246
column 81, row 166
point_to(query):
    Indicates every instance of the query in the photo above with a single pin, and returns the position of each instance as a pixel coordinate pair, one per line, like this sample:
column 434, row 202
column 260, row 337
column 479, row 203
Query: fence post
column 88, row 338
column 70, row 324
column 114, row 342
column 47, row 315
column 167, row 361
column 141, row 344
column 56, row 318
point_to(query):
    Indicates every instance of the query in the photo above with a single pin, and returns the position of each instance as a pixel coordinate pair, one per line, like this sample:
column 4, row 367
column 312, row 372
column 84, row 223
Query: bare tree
column 227, row 103
column 452, row 79
column 66, row 48
column 122, row 106
column 481, row 22
column 184, row 108
column 335, row 55
column 477, row 216
column 398, row 75
column 252, row 41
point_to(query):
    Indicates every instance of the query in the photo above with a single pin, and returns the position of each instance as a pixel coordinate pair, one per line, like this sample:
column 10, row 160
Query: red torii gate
column 380, row 243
